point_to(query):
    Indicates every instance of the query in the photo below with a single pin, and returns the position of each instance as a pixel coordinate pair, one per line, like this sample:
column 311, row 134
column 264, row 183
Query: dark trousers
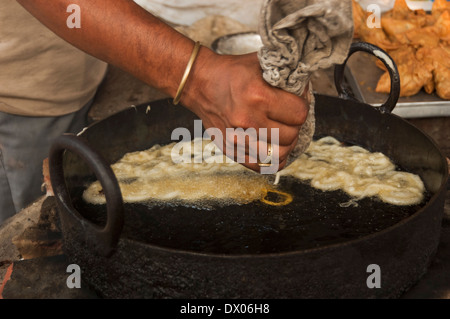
column 24, row 144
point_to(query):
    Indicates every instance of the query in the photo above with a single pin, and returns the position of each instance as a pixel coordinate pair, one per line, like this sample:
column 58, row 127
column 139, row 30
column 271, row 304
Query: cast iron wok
column 312, row 248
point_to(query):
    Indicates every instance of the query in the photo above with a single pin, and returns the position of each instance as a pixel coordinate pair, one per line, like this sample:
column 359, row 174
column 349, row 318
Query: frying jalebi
column 151, row 175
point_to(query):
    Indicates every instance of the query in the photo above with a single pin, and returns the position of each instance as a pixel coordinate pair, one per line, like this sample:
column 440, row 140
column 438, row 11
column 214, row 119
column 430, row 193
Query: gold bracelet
column 194, row 54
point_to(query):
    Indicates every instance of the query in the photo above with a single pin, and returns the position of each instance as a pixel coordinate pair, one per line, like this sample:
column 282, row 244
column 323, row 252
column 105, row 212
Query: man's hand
column 224, row 91
column 230, row 92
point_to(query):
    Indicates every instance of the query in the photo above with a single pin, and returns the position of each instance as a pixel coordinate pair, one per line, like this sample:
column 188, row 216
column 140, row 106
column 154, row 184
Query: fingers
column 256, row 154
column 285, row 134
column 246, row 136
column 245, row 102
column 251, row 147
column 282, row 137
column 290, row 109
column 277, row 104
column 271, row 162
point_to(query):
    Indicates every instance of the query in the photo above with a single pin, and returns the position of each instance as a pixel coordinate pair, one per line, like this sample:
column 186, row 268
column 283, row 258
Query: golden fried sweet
column 151, row 175
column 418, row 42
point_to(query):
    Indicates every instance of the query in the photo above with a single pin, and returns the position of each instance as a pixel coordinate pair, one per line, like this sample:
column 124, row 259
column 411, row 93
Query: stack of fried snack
column 419, row 43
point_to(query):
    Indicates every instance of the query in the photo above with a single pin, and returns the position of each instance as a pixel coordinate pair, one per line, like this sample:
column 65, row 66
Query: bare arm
column 224, row 91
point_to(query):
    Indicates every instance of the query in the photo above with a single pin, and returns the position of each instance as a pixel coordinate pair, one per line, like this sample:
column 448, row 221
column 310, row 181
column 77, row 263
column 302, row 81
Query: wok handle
column 394, row 95
column 102, row 240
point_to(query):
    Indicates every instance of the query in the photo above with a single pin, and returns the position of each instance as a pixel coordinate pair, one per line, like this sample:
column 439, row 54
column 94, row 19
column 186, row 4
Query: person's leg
column 24, row 144
column 79, row 120
column 6, row 202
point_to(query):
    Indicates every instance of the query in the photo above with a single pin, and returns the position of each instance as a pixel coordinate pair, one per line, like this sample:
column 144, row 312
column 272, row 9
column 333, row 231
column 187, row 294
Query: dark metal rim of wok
column 106, row 239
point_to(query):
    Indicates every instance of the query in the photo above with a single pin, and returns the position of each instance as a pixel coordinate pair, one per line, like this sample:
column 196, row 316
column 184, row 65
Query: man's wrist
column 187, row 71
column 198, row 82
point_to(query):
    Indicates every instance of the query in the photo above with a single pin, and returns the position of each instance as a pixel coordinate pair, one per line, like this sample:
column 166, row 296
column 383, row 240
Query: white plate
column 239, row 43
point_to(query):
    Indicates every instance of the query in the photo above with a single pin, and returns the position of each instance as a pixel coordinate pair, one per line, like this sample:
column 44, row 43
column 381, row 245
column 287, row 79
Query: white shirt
column 186, row 12
column 41, row 74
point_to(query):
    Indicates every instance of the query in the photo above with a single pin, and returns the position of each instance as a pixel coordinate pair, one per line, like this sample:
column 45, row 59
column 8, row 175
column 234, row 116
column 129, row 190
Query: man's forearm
column 123, row 34
column 224, row 91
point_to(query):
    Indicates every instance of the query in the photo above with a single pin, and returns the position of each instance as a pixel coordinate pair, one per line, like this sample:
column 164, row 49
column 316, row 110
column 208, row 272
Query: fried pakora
column 418, row 42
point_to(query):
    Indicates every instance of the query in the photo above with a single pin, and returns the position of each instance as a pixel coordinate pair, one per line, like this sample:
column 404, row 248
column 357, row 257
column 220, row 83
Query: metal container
column 130, row 251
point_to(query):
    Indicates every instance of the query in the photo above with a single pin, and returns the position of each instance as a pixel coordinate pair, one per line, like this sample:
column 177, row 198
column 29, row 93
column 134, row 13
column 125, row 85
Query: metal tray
column 362, row 76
